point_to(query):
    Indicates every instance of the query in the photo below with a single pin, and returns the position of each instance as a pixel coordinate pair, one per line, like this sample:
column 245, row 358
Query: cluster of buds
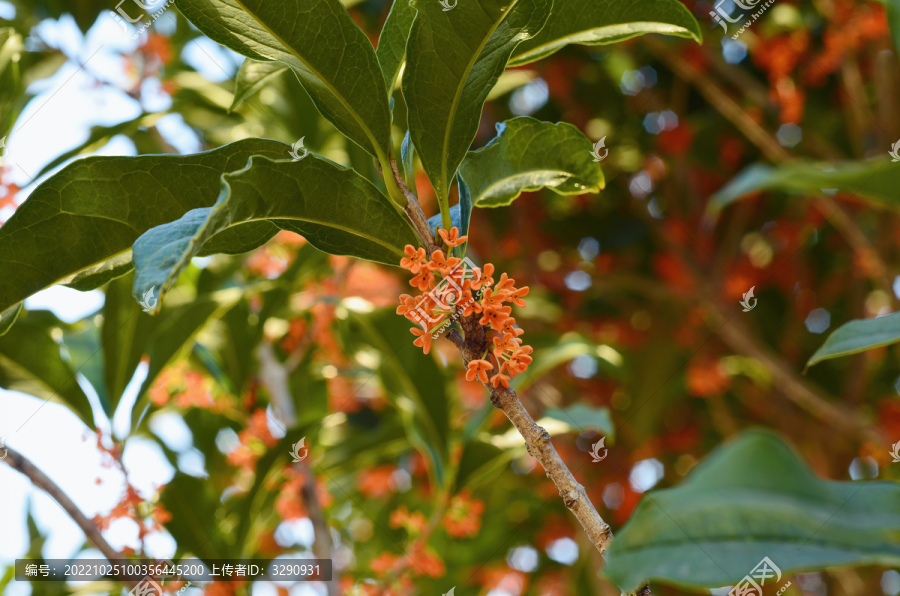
column 465, row 290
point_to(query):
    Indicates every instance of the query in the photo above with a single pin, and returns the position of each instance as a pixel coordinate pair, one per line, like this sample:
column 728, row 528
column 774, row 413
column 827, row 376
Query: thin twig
column 21, row 464
column 537, row 441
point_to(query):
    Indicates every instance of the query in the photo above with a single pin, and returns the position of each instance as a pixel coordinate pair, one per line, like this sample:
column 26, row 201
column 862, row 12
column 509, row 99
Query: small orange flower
column 479, row 368
column 423, row 280
column 500, row 379
column 453, row 238
column 439, row 262
column 518, row 362
column 416, row 259
column 424, row 338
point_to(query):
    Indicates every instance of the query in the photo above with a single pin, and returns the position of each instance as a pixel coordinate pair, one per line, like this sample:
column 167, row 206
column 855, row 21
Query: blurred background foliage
column 634, row 314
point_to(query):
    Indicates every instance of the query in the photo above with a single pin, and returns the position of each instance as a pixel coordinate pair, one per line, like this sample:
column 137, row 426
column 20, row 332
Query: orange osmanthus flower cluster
column 464, row 290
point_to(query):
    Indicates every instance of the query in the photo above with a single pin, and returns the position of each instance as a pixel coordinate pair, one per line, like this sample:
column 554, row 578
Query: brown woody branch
column 414, row 212
column 21, row 464
column 537, row 441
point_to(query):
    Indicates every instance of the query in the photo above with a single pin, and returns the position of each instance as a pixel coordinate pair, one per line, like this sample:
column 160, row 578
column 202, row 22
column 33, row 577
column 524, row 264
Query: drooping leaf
column 252, row 77
column 874, row 179
column 582, row 417
column 453, row 60
column 750, row 499
column 391, row 51
column 526, row 155
column 857, row 336
column 318, row 39
column 335, row 209
column 100, row 205
column 30, row 362
column 193, row 504
column 174, row 334
column 593, row 23
column 83, row 346
column 412, row 381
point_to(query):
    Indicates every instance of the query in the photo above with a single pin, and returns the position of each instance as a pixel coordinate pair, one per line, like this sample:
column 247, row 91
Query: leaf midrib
column 290, row 49
column 459, row 89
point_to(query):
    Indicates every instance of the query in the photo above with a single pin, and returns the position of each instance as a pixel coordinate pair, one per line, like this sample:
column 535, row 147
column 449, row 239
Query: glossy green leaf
column 857, row 336
column 318, row 39
column 335, row 209
column 593, row 23
column 30, row 362
column 583, row 417
column 252, row 77
column 453, row 60
column 874, row 179
column 391, row 51
column 100, row 205
column 526, row 155
column 753, row 498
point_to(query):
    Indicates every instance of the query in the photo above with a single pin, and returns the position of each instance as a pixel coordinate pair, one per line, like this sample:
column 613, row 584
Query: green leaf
column 750, row 499
column 100, row 205
column 581, row 416
column 30, row 362
column 94, row 277
column 594, row 23
column 454, row 58
column 527, row 155
column 874, row 179
column 174, row 333
column 8, row 317
column 893, row 17
column 480, row 463
column 318, row 39
column 193, row 504
column 252, row 77
column 125, row 333
column 857, row 336
column 391, row 51
column 412, row 381
column 335, row 209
